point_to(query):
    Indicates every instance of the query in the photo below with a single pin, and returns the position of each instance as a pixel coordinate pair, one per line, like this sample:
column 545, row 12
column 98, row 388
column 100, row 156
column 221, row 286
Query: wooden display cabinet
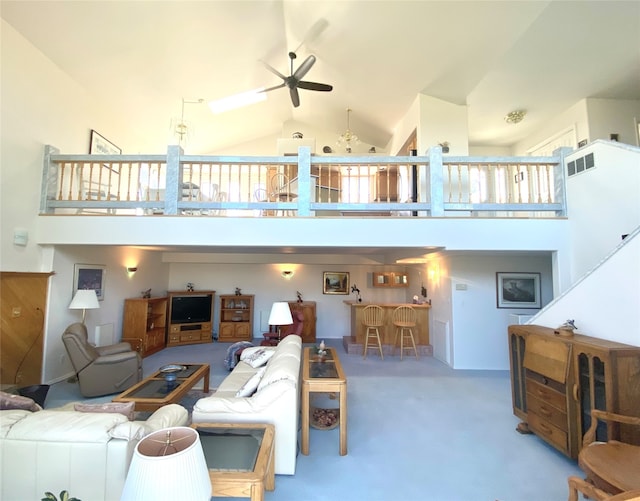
column 557, row 380
column 308, row 309
column 390, row 279
column 197, row 329
column 236, row 318
column 144, row 325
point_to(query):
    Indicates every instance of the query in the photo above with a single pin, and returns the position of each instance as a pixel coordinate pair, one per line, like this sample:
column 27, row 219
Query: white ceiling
column 143, row 57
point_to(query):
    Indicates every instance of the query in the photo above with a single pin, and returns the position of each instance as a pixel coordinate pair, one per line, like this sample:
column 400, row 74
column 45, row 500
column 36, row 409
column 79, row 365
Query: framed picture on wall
column 335, row 282
column 89, row 276
column 518, row 290
column 99, row 145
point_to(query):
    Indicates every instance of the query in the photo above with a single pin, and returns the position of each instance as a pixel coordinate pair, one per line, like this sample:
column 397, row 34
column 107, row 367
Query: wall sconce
column 287, row 274
column 131, row 270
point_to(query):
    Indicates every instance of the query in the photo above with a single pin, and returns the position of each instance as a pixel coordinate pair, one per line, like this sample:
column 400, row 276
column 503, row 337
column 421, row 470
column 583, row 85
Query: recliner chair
column 101, row 370
column 273, row 338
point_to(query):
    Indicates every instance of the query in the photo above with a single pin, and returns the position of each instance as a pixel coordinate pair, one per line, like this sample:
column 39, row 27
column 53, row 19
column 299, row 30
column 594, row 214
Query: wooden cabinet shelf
column 145, row 324
column 556, row 381
column 236, row 318
column 390, row 279
column 308, row 309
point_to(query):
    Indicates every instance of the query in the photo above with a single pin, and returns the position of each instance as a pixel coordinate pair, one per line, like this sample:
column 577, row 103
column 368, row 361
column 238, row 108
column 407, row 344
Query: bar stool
column 404, row 318
column 372, row 319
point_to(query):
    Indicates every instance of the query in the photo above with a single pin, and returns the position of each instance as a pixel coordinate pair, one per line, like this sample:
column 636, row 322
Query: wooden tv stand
column 189, row 333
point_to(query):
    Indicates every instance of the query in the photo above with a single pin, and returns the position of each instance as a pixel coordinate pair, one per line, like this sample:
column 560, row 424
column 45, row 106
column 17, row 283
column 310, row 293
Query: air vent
column 580, row 164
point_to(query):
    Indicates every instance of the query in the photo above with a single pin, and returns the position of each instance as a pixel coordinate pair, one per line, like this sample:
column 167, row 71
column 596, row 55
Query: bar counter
column 388, row 331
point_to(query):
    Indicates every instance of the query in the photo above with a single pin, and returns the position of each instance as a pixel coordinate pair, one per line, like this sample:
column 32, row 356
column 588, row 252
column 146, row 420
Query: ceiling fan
column 294, row 80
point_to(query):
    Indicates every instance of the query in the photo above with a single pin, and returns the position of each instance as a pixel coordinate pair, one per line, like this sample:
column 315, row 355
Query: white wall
column 617, row 116
column 40, row 105
column 575, row 116
column 264, row 280
column 606, row 302
column 442, row 121
column 118, row 285
column 479, row 326
column 603, row 202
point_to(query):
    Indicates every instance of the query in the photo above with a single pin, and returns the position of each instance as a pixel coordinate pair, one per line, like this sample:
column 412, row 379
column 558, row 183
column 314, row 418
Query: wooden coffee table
column 154, row 391
column 240, row 458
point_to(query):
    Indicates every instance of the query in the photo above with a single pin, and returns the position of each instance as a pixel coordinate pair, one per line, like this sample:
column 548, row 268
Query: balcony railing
column 303, row 185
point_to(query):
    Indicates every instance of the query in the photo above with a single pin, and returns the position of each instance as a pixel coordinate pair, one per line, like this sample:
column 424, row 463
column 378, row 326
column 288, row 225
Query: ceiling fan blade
column 304, row 67
column 314, row 32
column 315, row 86
column 295, row 97
column 272, row 69
column 274, row 87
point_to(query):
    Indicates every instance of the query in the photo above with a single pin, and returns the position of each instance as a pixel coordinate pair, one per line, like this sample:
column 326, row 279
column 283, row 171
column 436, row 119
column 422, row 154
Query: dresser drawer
column 547, row 412
column 546, row 393
column 548, row 432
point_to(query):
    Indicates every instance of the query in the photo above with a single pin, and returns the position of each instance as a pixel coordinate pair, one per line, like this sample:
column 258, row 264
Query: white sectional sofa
column 276, row 399
column 86, row 454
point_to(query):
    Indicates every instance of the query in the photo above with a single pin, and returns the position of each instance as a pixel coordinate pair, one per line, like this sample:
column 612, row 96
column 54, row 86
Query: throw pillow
column 258, row 358
column 250, row 386
column 126, row 409
column 11, row 401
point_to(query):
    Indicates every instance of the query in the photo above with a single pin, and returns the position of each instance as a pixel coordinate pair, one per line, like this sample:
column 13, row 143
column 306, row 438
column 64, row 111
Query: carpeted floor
column 417, row 431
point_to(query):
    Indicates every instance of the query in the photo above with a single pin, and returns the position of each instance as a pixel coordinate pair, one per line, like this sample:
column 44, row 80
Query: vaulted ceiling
column 143, row 57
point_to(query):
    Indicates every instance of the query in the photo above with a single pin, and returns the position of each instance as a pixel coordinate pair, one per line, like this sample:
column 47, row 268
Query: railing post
column 560, row 179
column 436, row 181
column 173, row 181
column 49, row 179
column 304, row 181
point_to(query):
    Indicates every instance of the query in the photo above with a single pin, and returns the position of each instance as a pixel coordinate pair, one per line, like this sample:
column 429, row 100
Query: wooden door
column 23, row 307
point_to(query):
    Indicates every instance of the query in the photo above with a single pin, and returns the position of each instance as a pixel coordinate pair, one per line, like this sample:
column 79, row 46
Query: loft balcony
column 303, row 186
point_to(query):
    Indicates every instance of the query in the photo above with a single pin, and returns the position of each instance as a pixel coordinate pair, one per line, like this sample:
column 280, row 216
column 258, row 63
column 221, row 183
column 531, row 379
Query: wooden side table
column 325, row 377
column 240, row 457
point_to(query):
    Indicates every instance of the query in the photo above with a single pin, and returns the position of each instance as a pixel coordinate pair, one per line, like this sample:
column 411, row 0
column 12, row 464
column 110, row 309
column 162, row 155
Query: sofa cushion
column 250, row 386
column 284, row 367
column 127, row 409
column 9, row 417
column 66, row 426
column 258, row 358
column 11, row 401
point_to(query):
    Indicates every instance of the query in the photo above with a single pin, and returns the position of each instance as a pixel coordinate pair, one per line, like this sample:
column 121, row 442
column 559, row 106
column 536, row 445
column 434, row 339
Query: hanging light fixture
column 180, row 128
column 348, row 139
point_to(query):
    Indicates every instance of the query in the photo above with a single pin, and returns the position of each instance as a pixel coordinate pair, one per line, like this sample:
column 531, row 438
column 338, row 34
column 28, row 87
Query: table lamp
column 280, row 315
column 168, row 464
column 85, row 299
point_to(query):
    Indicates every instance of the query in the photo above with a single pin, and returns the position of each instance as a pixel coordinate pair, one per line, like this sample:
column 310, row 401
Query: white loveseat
column 86, row 454
column 276, row 399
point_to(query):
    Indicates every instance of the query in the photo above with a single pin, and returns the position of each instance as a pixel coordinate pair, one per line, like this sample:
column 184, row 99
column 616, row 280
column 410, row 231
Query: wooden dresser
column 556, row 381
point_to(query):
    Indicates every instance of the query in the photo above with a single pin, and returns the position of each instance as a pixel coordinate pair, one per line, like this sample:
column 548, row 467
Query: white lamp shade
column 85, row 299
column 280, row 314
column 168, row 464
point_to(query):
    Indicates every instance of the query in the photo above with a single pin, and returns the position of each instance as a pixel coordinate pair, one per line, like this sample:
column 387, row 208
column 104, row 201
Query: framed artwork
column 99, row 145
column 518, row 290
column 89, row 276
column 335, row 282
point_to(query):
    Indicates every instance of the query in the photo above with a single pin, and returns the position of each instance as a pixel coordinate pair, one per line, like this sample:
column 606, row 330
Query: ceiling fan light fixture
column 515, row 116
column 238, row 100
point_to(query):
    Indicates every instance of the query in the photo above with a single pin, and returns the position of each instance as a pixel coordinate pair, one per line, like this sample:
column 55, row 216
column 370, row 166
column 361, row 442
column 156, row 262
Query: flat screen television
column 191, row 309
